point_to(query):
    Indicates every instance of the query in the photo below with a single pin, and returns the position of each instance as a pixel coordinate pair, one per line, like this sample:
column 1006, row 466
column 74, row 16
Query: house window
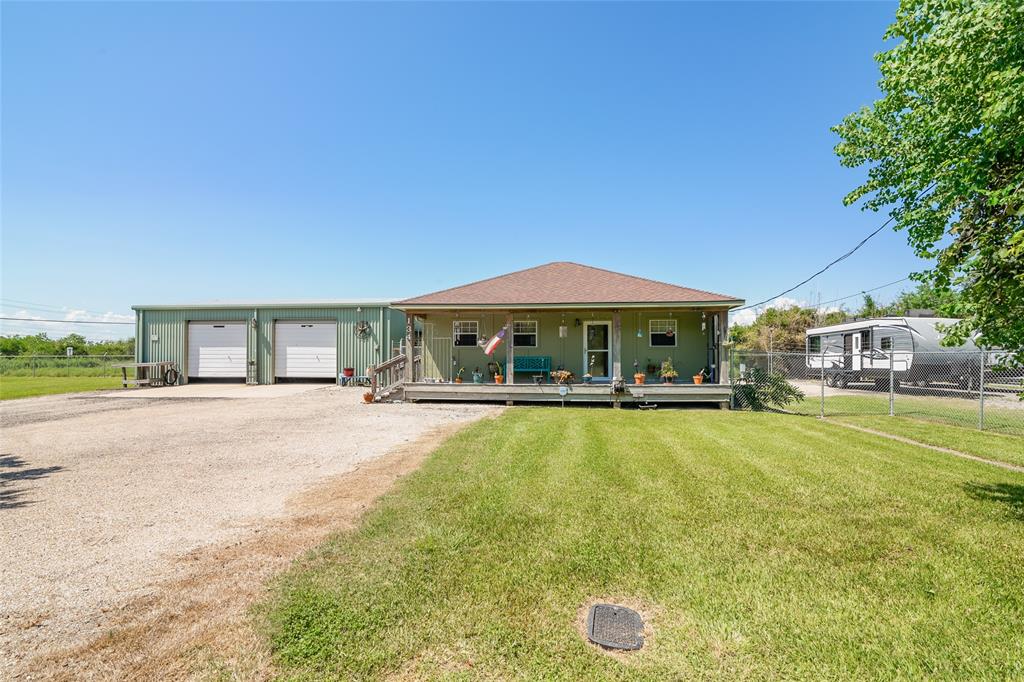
column 885, row 343
column 813, row 344
column 865, row 340
column 663, row 332
column 465, row 332
column 524, row 334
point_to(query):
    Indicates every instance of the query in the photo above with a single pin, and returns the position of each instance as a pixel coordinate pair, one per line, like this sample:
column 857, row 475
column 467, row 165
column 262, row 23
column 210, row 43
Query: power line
column 843, row 257
column 31, row 319
column 859, row 293
column 44, row 307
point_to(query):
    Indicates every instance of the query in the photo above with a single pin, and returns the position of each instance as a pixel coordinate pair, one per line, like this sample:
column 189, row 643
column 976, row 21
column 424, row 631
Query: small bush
column 759, row 389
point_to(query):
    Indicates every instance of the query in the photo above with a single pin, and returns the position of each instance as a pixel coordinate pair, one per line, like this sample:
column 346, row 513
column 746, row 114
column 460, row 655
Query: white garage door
column 306, row 350
column 216, row 350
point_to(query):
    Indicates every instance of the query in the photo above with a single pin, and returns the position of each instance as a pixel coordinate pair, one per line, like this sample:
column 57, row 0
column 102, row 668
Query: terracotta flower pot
column 698, row 378
column 458, row 380
column 638, row 378
column 498, row 378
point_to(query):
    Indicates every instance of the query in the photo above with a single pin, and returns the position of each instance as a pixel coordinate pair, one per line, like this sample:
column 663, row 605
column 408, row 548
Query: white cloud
column 28, row 324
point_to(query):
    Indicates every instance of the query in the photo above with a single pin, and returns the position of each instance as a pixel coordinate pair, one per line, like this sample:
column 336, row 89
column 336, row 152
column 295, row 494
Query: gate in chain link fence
column 979, row 389
column 62, row 365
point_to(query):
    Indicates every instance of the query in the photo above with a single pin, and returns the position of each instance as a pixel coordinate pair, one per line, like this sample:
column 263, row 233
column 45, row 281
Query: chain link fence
column 62, row 365
column 978, row 389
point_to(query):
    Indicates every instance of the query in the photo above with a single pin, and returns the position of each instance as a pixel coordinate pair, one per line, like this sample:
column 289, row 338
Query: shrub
column 759, row 389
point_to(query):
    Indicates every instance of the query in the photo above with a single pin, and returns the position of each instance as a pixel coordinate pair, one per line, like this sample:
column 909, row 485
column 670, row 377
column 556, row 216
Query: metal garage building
column 265, row 342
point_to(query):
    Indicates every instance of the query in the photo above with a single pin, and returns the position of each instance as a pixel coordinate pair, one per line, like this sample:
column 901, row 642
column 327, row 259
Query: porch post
column 510, row 353
column 723, row 356
column 616, row 345
column 410, row 337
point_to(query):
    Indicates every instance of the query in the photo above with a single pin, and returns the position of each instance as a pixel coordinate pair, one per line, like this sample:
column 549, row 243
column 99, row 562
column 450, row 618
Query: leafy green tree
column 928, row 297
column 41, row 344
column 781, row 329
column 944, row 148
column 870, row 308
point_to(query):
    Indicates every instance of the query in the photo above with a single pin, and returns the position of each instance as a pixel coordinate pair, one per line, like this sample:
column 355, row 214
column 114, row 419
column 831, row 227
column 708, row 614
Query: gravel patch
column 99, row 501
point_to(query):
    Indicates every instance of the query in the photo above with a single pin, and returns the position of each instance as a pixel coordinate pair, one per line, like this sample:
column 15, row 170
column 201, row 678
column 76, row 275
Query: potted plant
column 562, row 376
column 478, row 377
column 638, row 376
column 458, row 377
column 698, row 378
column 498, row 376
column 668, row 373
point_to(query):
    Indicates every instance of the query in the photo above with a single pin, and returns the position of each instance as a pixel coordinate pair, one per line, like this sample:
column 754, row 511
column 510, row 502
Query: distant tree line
column 784, row 329
column 41, row 344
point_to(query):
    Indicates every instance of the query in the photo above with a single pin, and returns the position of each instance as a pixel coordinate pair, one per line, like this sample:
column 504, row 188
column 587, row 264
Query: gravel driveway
column 100, row 495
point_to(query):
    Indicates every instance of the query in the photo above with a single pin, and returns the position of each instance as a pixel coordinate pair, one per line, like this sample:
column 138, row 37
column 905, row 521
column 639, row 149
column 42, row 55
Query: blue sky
column 158, row 152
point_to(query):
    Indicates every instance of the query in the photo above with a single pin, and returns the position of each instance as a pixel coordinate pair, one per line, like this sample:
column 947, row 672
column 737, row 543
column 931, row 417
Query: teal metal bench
column 533, row 363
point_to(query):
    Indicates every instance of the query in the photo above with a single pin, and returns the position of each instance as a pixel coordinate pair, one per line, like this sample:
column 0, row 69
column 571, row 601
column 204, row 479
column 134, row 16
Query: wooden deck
column 577, row 393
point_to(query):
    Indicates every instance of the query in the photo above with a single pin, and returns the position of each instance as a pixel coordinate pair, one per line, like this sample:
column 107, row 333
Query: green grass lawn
column 958, row 412
column 25, row 387
column 988, row 444
column 757, row 545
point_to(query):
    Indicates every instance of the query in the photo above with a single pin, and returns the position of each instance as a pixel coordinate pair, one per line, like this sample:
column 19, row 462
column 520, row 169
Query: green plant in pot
column 668, row 373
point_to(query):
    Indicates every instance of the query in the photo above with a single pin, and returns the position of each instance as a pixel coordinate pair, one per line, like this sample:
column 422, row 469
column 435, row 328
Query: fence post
column 892, row 393
column 822, row 414
column 33, row 367
column 981, row 393
column 69, row 366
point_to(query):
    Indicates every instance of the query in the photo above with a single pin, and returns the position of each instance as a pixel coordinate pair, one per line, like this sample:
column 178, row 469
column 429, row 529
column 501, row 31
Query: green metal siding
column 688, row 356
column 171, row 328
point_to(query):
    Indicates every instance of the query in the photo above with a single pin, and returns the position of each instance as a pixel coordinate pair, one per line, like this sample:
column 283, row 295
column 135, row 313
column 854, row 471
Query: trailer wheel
column 830, row 380
column 844, row 380
column 170, row 377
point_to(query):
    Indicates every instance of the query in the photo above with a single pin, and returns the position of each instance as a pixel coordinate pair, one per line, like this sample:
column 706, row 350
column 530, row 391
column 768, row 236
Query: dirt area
column 136, row 529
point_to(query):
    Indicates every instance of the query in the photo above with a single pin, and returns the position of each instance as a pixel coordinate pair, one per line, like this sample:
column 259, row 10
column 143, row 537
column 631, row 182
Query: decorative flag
column 494, row 342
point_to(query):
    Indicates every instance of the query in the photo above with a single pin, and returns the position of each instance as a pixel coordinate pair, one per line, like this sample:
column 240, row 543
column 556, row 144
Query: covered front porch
column 614, row 355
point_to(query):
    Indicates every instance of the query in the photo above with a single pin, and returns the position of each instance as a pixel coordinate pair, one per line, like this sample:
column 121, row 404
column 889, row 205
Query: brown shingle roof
column 565, row 283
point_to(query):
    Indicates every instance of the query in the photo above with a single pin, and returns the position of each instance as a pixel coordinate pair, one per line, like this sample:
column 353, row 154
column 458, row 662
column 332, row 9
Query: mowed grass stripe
column 761, row 545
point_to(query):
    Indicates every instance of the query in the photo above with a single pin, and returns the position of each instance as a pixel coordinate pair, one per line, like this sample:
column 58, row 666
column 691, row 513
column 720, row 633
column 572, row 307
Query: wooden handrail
column 375, row 371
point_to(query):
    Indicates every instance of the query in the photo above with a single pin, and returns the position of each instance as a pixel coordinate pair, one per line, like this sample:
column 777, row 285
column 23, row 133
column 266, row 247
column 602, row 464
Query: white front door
column 597, row 344
column 307, row 350
column 216, row 350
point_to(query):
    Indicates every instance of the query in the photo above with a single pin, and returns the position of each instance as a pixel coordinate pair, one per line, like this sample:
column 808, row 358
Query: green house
column 605, row 328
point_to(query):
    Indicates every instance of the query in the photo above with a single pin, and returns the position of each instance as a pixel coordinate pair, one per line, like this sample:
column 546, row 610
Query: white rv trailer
column 863, row 350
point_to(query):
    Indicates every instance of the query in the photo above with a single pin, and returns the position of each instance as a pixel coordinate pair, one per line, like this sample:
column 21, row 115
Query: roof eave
column 406, row 306
column 247, row 305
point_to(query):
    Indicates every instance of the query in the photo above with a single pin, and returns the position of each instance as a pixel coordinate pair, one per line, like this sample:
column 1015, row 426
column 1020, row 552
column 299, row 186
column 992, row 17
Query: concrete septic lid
column 615, row 627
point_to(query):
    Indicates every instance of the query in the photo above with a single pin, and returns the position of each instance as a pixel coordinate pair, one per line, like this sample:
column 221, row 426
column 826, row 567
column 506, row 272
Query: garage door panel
column 305, row 350
column 216, row 350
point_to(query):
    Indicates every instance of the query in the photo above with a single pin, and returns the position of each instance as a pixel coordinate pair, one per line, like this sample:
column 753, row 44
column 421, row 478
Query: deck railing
column 388, row 376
